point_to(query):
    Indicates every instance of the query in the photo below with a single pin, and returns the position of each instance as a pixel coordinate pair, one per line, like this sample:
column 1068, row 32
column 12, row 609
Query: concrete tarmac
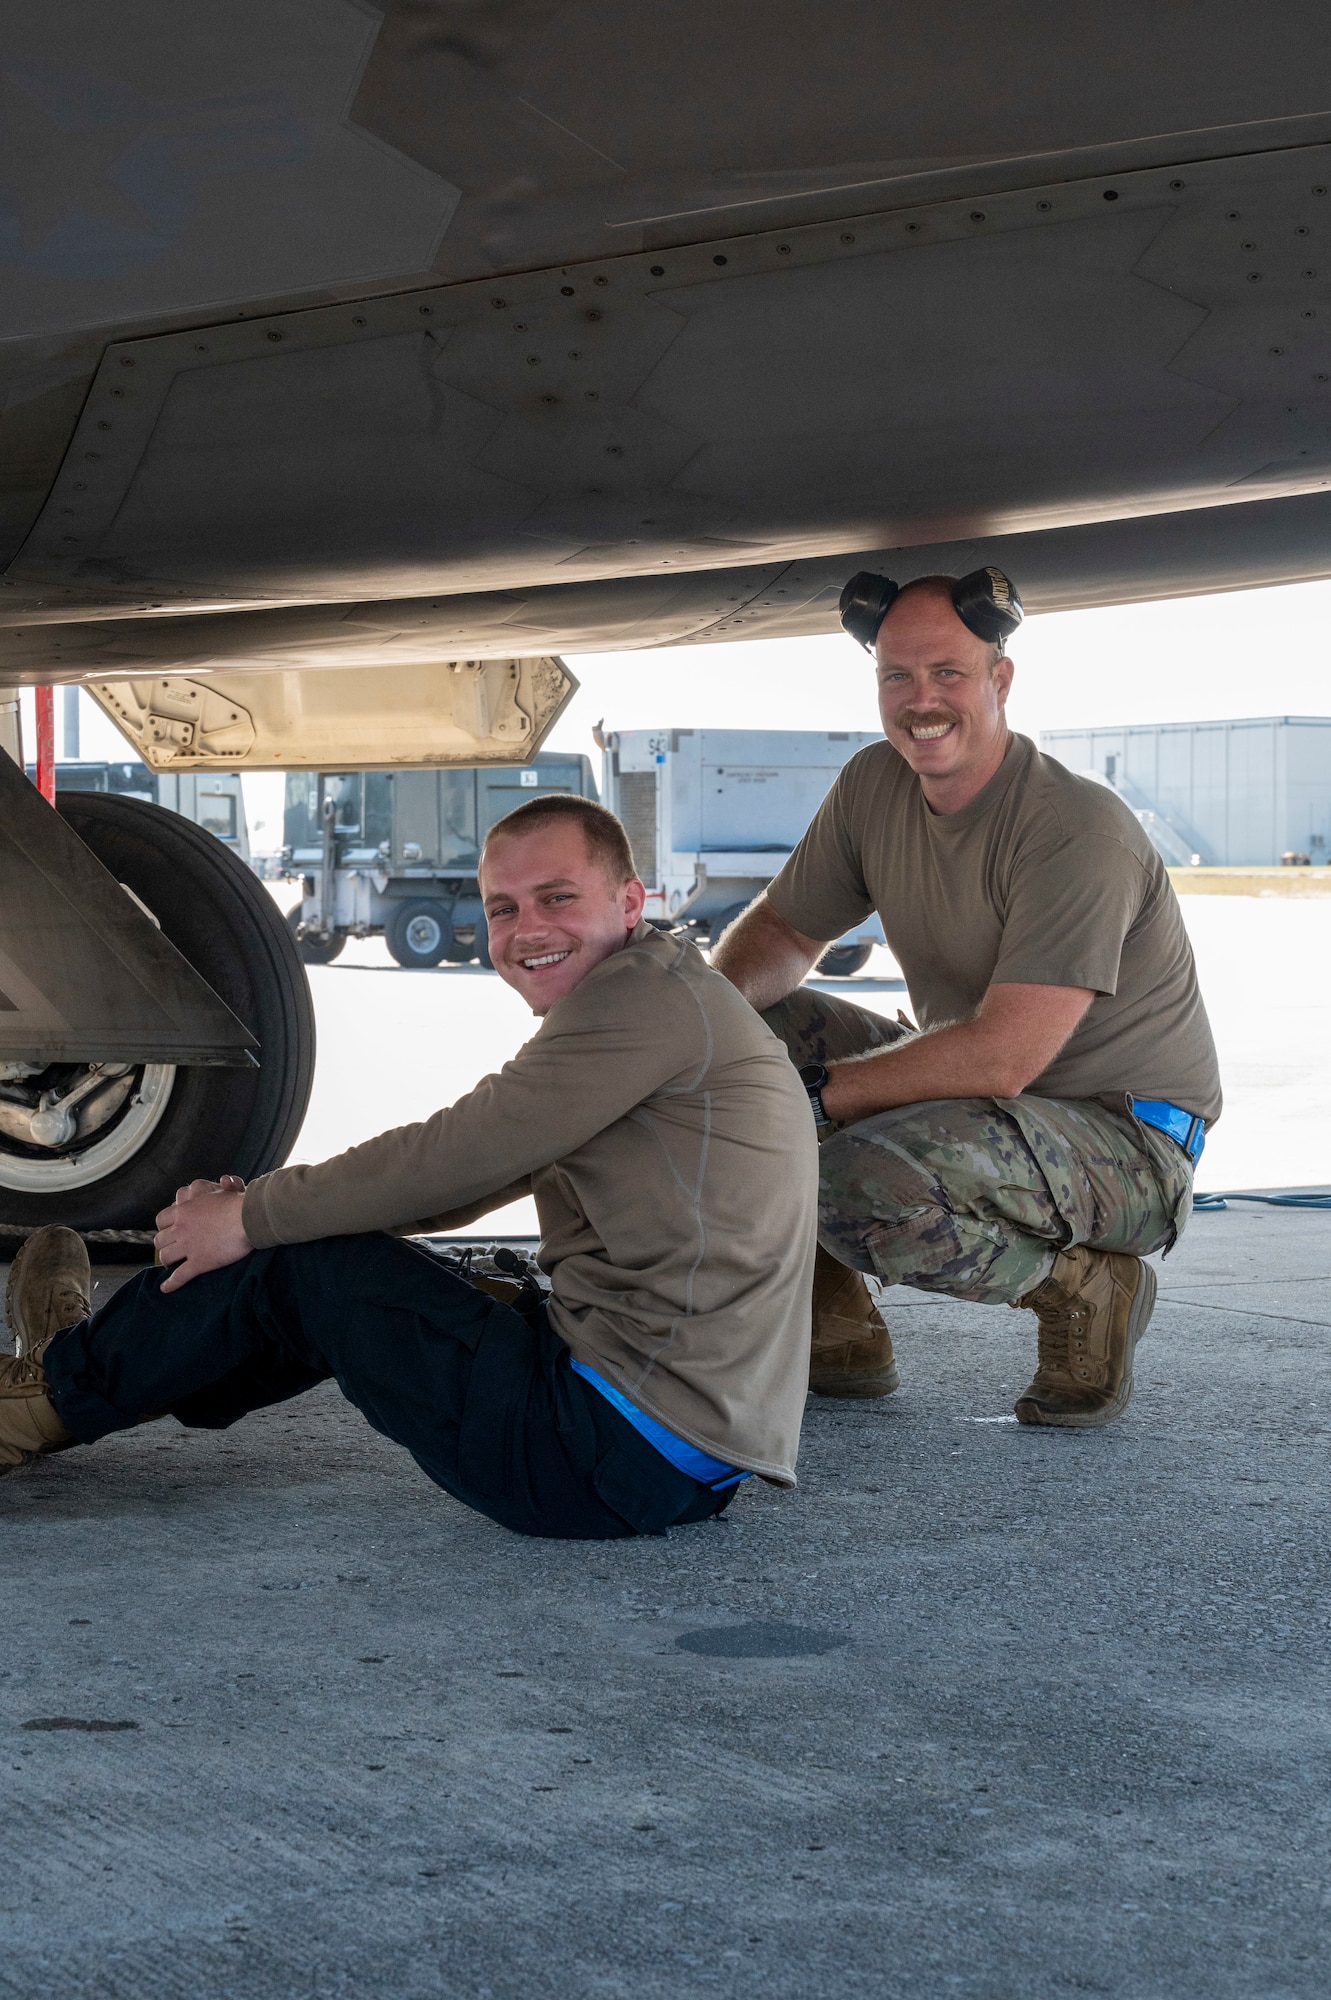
column 977, row 1711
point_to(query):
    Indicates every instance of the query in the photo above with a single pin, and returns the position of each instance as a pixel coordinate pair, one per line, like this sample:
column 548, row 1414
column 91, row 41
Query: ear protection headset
column 985, row 601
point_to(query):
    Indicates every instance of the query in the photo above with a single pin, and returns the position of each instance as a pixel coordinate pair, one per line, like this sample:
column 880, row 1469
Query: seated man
column 1037, row 1139
column 668, row 1144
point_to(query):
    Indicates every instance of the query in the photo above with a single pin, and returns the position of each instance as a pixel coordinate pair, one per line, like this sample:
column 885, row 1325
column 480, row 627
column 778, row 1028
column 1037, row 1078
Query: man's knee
column 934, row 1248
column 870, row 1192
column 307, row 1282
column 821, row 1027
column 337, row 1287
column 341, row 1259
column 926, row 1195
column 918, row 1155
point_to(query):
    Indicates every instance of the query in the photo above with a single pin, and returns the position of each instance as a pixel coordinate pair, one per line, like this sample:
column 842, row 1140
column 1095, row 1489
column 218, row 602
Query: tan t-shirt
column 668, row 1144
column 1044, row 879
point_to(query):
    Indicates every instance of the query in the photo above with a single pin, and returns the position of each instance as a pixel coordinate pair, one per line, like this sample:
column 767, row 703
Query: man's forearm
column 471, row 1211
column 962, row 1061
column 592, row 1062
column 1014, row 1037
column 764, row 956
column 393, row 1182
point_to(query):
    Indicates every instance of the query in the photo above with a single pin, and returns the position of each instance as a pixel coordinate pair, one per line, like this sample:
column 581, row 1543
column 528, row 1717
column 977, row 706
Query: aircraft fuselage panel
column 1084, row 352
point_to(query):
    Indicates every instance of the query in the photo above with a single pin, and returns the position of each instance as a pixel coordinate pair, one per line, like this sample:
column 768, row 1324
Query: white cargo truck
column 712, row 813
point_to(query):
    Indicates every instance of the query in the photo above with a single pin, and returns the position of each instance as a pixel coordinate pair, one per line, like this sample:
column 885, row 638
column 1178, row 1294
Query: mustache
column 913, row 718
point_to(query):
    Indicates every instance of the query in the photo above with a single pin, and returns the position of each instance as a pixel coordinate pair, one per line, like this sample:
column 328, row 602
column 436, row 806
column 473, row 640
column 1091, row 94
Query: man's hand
column 1014, row 1037
column 202, row 1230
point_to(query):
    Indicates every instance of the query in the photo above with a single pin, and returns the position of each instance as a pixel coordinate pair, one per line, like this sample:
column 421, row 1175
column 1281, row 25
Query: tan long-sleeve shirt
column 670, row 1150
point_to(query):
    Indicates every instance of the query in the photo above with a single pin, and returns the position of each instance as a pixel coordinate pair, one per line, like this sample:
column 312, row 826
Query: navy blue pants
column 486, row 1404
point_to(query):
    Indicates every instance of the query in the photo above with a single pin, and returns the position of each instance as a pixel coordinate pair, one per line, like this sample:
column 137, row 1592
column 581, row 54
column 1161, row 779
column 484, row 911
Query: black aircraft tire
column 419, row 934
column 843, row 961
column 223, row 920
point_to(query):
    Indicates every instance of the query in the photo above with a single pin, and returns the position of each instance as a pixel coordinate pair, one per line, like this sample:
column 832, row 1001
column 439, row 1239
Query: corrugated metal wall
column 1242, row 792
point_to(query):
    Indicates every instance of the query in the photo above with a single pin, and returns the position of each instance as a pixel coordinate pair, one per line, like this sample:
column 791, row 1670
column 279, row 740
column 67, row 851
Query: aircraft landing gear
column 105, row 1146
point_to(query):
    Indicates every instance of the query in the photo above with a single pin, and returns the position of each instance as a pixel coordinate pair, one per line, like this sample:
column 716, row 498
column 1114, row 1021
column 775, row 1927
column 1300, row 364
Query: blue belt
column 685, row 1457
column 1184, row 1127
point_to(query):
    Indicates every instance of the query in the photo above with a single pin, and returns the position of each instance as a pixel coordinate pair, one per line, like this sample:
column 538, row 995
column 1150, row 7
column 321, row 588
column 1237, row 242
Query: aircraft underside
column 356, row 362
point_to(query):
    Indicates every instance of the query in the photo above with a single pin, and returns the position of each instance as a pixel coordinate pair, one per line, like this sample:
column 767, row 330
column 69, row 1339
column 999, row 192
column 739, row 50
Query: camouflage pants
column 973, row 1196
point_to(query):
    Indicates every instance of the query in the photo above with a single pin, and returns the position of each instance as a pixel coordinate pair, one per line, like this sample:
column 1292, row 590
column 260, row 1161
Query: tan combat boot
column 29, row 1425
column 852, row 1348
column 1093, row 1308
column 50, row 1287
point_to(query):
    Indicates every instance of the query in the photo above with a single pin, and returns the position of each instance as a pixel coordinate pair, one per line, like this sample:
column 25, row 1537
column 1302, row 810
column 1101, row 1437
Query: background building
column 1229, row 793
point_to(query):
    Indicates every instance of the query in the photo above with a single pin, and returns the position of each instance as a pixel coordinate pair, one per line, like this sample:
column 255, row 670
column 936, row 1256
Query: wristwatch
column 814, row 1077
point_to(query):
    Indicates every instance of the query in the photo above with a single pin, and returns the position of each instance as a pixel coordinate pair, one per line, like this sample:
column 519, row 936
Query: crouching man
column 668, row 1144
column 1036, row 1141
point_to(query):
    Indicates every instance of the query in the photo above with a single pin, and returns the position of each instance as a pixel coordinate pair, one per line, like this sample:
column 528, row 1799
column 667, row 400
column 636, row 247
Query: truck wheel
column 481, row 946
column 465, row 921
column 718, row 924
column 149, row 1129
column 840, row 961
column 315, row 951
column 419, row 933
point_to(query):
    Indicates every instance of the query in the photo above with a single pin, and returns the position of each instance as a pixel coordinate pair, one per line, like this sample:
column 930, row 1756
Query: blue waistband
column 1185, row 1127
column 708, row 1471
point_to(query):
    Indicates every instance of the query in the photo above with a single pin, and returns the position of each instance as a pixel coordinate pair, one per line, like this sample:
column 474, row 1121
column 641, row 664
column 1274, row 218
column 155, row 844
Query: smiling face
column 941, row 696
column 552, row 910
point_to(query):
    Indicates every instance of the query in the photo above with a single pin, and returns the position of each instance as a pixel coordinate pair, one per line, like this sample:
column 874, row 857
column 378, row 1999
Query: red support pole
column 46, row 743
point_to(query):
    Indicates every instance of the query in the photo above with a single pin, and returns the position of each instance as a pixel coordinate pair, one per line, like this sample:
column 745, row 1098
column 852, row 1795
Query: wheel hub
column 424, row 935
column 68, row 1124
